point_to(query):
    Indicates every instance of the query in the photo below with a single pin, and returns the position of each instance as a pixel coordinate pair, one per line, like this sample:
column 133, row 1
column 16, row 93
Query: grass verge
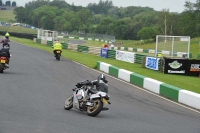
column 7, row 16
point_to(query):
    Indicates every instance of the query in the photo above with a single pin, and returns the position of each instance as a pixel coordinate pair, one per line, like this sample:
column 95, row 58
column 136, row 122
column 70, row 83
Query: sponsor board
column 182, row 67
column 152, row 63
column 104, row 52
column 125, row 56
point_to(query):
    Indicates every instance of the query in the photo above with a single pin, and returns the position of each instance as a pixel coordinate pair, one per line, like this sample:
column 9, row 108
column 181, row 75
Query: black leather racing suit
column 100, row 85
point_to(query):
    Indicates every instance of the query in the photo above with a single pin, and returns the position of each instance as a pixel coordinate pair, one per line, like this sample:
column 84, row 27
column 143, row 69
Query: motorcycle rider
column 57, row 46
column 5, row 40
column 100, row 83
column 5, row 52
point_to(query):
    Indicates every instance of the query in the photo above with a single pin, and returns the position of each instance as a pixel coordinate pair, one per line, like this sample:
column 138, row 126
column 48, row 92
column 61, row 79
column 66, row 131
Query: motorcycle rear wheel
column 68, row 103
column 1, row 68
column 96, row 109
column 58, row 57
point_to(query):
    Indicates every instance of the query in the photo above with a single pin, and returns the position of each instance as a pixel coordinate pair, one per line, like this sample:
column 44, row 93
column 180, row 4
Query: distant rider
column 5, row 40
column 5, row 52
column 57, row 46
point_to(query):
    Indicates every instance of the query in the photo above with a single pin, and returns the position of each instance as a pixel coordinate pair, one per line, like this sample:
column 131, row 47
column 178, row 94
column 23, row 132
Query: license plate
column 3, row 61
column 58, row 51
column 105, row 101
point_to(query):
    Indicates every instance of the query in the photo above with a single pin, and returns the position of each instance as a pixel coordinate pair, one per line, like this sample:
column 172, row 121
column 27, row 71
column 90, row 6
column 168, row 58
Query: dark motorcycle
column 3, row 62
column 58, row 54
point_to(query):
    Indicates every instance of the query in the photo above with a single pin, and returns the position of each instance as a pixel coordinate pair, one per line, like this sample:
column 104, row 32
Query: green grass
column 18, row 29
column 184, row 82
column 7, row 16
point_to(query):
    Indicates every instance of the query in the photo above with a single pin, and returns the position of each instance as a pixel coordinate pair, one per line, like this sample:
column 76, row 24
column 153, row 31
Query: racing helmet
column 102, row 77
column 7, row 34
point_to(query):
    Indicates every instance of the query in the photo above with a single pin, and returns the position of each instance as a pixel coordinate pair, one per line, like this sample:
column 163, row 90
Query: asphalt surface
column 72, row 41
column 33, row 91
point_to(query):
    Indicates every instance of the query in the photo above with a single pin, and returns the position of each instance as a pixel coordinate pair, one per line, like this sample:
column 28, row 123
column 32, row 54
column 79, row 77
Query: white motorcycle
column 85, row 98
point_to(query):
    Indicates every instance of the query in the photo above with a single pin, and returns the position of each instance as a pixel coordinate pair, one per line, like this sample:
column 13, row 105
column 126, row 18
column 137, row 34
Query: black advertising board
column 175, row 66
column 182, row 67
column 193, row 67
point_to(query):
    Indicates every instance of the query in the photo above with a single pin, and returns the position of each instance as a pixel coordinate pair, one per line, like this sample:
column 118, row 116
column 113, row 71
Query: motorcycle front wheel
column 96, row 108
column 68, row 103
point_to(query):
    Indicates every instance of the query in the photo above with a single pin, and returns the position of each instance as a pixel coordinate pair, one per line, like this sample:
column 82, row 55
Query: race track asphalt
column 33, row 91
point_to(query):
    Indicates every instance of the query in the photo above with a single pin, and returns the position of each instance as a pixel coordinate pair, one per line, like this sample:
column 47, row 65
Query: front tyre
column 96, row 108
column 68, row 103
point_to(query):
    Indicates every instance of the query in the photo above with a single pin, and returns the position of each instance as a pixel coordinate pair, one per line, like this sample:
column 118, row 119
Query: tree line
column 129, row 23
column 8, row 3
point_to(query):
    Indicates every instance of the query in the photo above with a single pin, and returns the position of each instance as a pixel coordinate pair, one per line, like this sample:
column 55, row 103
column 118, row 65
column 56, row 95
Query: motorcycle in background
column 58, row 54
column 3, row 61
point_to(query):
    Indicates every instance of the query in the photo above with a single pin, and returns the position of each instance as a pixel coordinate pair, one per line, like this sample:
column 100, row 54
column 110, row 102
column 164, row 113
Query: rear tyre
column 96, row 109
column 58, row 56
column 68, row 103
column 1, row 68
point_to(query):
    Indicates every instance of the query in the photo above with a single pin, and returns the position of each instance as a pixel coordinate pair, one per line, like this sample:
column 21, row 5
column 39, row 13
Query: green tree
column 67, row 26
column 101, row 8
column 68, row 15
column 59, row 3
column 14, row 3
column 59, row 23
column 187, row 22
column 85, row 19
column 1, row 3
column 164, row 17
column 8, row 3
column 75, row 23
column 104, row 25
column 147, row 33
column 43, row 17
column 20, row 14
column 114, row 12
column 96, row 18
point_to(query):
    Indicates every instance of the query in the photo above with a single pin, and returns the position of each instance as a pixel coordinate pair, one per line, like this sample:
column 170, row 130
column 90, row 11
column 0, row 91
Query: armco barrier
column 138, row 58
column 50, row 43
column 64, row 45
column 171, row 92
column 111, row 54
column 82, row 48
column 38, row 41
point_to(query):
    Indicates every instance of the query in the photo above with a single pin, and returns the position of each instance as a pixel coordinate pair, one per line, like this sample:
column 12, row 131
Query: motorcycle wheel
column 1, row 68
column 96, row 109
column 58, row 57
column 68, row 103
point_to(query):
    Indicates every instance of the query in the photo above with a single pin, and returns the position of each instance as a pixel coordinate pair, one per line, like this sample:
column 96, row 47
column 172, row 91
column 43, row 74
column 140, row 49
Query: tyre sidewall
column 98, row 109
